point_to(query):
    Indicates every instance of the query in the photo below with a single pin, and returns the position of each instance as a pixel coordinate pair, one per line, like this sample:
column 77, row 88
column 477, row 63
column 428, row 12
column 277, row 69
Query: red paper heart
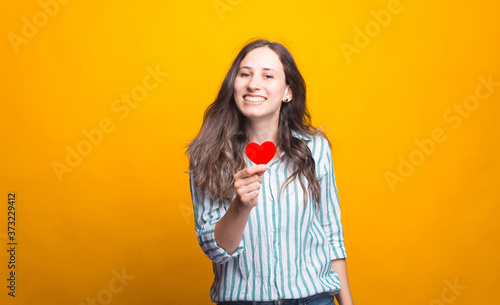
column 261, row 154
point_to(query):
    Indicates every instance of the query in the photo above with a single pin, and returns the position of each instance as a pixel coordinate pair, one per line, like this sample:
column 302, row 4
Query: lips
column 254, row 98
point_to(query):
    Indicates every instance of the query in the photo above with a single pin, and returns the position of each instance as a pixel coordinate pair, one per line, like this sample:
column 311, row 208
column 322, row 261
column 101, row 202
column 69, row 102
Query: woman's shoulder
column 316, row 139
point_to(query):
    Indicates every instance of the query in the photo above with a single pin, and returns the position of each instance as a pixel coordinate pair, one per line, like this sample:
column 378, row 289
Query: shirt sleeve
column 329, row 211
column 207, row 213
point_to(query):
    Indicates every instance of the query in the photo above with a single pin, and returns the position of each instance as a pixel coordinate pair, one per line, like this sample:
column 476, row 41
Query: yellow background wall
column 116, row 223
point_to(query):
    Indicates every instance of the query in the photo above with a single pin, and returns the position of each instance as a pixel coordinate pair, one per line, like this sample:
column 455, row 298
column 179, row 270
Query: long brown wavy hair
column 217, row 152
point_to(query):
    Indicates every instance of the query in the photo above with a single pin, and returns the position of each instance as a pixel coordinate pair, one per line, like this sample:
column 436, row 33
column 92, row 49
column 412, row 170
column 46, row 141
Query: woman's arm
column 329, row 215
column 229, row 229
column 344, row 296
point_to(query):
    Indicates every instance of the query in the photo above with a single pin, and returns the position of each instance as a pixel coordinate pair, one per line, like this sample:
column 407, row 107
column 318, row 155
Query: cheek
column 279, row 94
column 276, row 88
column 238, row 85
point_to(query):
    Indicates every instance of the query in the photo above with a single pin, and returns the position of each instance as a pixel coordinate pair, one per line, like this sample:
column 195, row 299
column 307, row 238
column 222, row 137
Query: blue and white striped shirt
column 286, row 249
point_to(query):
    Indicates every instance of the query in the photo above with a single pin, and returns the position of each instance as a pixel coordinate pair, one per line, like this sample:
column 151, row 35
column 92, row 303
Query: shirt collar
column 300, row 136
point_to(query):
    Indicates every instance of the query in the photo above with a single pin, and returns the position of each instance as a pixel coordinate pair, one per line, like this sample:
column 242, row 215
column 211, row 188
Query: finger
column 238, row 183
column 261, row 173
column 251, row 170
column 249, row 198
column 255, row 186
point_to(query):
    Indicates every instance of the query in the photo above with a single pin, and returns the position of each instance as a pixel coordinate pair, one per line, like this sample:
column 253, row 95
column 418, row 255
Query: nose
column 254, row 84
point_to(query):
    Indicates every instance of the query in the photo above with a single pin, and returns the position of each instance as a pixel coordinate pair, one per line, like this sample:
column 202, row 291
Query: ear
column 288, row 94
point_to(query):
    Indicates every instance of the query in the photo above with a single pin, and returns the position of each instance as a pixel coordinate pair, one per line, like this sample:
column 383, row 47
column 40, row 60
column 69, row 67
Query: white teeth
column 254, row 99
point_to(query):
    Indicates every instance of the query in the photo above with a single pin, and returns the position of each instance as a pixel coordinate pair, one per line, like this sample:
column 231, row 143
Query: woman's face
column 260, row 86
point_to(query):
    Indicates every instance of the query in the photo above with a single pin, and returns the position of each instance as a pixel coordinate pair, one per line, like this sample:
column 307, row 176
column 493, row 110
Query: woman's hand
column 247, row 184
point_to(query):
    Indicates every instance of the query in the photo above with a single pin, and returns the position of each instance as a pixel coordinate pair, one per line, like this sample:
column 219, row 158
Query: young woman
column 273, row 232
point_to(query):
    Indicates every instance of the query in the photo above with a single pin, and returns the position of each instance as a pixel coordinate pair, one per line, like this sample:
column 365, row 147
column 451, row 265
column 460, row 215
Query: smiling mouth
column 254, row 99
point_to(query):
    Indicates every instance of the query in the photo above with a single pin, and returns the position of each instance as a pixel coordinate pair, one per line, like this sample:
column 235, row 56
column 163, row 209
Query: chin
column 252, row 114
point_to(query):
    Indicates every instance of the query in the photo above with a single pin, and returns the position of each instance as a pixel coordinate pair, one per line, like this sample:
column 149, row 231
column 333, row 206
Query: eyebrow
column 262, row 68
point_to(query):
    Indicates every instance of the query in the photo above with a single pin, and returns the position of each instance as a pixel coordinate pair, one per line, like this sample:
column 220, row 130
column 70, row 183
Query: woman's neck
column 262, row 131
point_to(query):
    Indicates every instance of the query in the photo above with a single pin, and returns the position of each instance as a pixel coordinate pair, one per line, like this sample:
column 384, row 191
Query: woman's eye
column 268, row 76
column 244, row 74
